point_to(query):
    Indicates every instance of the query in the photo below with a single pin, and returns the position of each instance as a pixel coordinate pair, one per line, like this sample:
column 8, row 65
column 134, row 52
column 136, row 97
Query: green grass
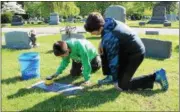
column 15, row 96
column 136, row 24
column 2, row 34
column 44, row 25
column 130, row 23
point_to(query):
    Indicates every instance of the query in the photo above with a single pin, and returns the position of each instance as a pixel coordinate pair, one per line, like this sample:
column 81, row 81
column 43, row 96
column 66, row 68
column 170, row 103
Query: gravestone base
column 142, row 23
column 157, row 48
column 17, row 23
column 155, row 20
column 152, row 32
column 166, row 24
column 72, row 35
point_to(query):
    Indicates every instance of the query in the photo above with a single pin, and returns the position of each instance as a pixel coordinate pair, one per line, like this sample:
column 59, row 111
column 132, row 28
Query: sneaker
column 117, row 87
column 162, row 79
column 107, row 80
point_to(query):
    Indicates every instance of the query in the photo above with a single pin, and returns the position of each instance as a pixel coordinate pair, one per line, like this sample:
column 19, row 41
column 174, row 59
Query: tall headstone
column 117, row 12
column 54, row 19
column 17, row 20
column 159, row 15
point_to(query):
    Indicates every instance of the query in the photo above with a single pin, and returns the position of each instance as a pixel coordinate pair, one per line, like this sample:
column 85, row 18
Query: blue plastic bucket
column 30, row 65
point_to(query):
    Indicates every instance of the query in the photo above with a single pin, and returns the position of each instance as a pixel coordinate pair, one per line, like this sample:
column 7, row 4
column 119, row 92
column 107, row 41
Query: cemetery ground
column 15, row 96
column 129, row 23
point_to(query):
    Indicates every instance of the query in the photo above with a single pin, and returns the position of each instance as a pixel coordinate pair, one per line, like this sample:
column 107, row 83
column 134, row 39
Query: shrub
column 39, row 22
column 6, row 17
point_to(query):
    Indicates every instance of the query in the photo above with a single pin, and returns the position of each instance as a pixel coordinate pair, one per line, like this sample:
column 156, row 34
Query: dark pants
column 33, row 40
column 76, row 68
column 127, row 68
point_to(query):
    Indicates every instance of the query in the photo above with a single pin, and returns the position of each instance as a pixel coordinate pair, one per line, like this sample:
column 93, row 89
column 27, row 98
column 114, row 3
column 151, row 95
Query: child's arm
column 85, row 63
column 64, row 63
column 111, row 45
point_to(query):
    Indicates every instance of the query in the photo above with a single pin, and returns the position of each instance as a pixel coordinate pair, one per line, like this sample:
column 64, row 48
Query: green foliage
column 147, row 12
column 33, row 8
column 68, row 9
column 131, row 7
column 87, row 7
column 171, row 6
column 84, row 8
column 45, row 8
column 6, row 17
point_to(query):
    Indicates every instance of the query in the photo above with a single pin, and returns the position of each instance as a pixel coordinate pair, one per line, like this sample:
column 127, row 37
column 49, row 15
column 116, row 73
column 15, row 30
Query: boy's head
column 94, row 23
column 60, row 48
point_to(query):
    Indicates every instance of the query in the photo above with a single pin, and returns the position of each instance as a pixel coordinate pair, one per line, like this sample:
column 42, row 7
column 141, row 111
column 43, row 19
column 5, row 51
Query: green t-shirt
column 81, row 51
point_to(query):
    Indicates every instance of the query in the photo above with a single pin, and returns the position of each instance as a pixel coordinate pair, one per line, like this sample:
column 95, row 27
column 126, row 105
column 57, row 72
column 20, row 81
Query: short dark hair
column 94, row 21
column 60, row 48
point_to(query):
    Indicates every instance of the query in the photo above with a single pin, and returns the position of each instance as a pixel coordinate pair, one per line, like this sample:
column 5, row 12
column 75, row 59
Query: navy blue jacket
column 119, row 39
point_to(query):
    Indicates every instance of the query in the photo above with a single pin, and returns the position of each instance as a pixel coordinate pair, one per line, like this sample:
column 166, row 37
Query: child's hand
column 100, row 49
column 86, row 84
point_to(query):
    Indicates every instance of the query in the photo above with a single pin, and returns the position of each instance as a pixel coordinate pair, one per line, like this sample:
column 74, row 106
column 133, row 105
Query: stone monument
column 17, row 20
column 157, row 48
column 54, row 19
column 159, row 15
column 17, row 40
column 117, row 12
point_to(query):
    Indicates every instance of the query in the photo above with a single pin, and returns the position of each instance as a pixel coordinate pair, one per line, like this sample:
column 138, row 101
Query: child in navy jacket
column 122, row 52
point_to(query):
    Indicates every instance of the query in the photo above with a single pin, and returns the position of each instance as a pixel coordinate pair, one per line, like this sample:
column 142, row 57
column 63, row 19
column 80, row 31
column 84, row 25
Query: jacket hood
column 109, row 24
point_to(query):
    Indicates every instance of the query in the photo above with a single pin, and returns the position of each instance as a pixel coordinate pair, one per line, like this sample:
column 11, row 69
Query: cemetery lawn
column 136, row 24
column 44, row 25
column 130, row 23
column 2, row 34
column 15, row 96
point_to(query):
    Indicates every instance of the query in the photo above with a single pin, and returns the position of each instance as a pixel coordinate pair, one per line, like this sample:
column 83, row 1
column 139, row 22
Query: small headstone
column 70, row 19
column 166, row 24
column 159, row 15
column 117, row 12
column 152, row 32
column 17, row 20
column 17, row 40
column 157, row 48
column 54, row 19
column 83, row 20
column 171, row 17
column 142, row 23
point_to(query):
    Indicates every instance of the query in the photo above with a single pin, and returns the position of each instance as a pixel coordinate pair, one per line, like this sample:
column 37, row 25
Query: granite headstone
column 54, row 19
column 117, row 12
column 159, row 15
column 17, row 20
